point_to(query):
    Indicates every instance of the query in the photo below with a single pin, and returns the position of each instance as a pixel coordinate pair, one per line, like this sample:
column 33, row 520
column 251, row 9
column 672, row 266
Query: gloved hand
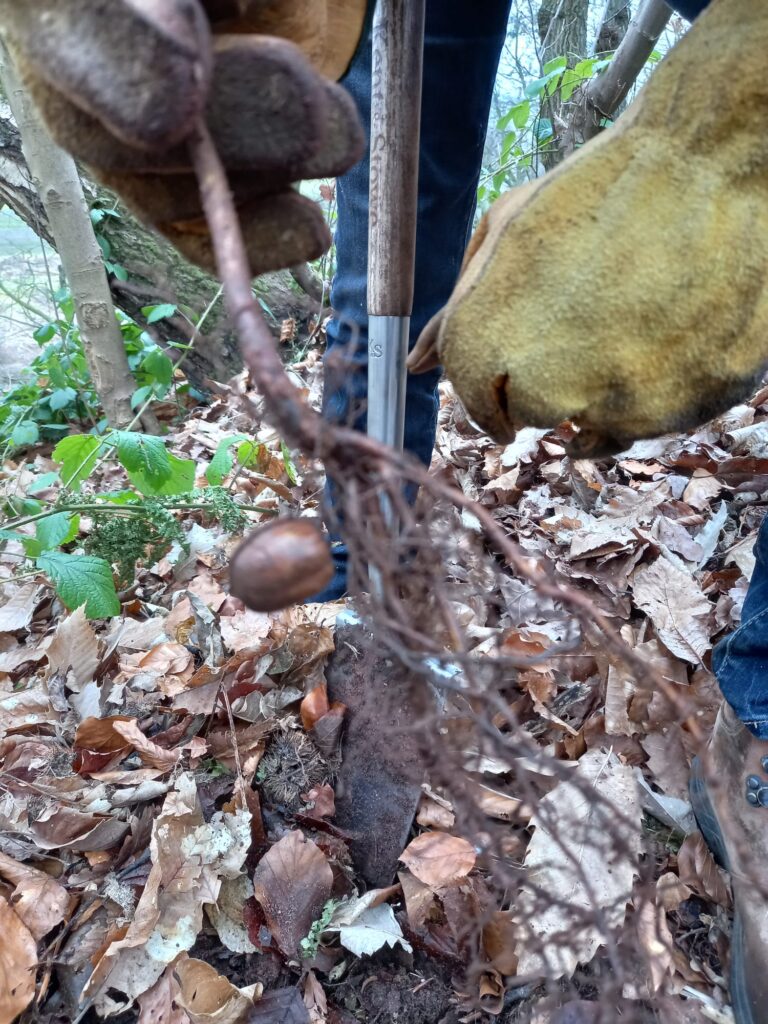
column 120, row 84
column 627, row 290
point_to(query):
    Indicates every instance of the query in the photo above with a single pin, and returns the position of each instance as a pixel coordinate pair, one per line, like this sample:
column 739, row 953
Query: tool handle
column 398, row 53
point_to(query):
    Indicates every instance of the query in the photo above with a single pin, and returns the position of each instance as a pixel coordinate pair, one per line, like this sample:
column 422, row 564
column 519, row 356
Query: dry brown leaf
column 151, row 753
column 698, row 870
column 419, row 899
column 675, row 604
column 438, row 859
column 667, row 761
column 210, row 998
column 657, row 942
column 292, row 882
column 189, row 858
column 26, row 710
column 583, row 855
column 17, row 610
column 75, row 647
column 18, row 962
column 244, row 630
column 499, row 941
column 434, row 815
column 38, row 899
column 491, row 992
column 314, row 706
column 671, row 892
column 159, row 1005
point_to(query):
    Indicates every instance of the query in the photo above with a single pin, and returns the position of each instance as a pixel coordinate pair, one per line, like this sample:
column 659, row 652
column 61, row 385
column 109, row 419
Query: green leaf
column 82, row 579
column 77, row 455
column 143, row 454
column 11, row 535
column 52, row 532
column 222, row 461
column 158, row 365
column 56, row 373
column 140, row 395
column 61, row 398
column 543, row 130
column 44, row 333
column 290, row 465
column 520, row 114
column 160, row 312
column 553, row 66
column 42, row 482
column 106, row 248
column 25, row 433
column 180, row 480
column 58, row 529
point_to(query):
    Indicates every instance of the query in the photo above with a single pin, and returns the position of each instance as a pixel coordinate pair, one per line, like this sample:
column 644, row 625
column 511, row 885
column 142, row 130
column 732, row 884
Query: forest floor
column 167, row 777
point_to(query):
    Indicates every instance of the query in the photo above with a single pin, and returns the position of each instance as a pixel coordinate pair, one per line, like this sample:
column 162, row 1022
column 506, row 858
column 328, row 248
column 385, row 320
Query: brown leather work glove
column 121, row 83
column 625, row 291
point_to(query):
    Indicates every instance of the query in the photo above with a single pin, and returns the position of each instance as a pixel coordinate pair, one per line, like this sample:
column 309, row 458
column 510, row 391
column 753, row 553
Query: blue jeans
column 463, row 42
column 740, row 662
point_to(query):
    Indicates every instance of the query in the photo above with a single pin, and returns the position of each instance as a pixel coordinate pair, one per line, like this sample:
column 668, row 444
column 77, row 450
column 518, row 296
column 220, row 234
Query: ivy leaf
column 77, row 455
column 82, row 579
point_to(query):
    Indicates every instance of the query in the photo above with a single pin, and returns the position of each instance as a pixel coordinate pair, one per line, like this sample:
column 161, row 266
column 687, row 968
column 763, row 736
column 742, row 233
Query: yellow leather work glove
column 121, row 83
column 627, row 290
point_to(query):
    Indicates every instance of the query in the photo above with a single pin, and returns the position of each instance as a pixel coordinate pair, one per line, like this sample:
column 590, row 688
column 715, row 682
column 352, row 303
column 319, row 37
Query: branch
column 308, row 281
column 605, row 94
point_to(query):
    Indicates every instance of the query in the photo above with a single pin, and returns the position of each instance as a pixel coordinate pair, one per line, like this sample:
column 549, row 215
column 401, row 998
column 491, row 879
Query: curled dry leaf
column 159, row 1004
column 292, row 882
column 38, row 899
column 151, row 753
column 18, row 961
column 209, row 998
column 434, row 815
column 98, row 746
column 314, row 706
column 438, row 859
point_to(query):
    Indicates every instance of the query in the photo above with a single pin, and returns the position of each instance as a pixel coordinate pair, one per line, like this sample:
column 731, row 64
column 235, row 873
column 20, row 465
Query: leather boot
column 729, row 794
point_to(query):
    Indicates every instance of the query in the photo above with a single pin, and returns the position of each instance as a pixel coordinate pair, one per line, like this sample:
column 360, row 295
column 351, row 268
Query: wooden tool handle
column 398, row 52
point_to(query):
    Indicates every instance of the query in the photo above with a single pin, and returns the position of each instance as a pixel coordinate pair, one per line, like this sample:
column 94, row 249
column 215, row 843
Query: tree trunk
column 157, row 273
column 613, row 27
column 55, row 175
column 603, row 96
column 563, row 33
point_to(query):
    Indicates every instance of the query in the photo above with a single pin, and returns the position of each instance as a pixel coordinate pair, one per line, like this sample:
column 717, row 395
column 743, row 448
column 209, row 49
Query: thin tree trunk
column 603, row 96
column 157, row 273
column 61, row 191
column 613, row 27
column 563, row 33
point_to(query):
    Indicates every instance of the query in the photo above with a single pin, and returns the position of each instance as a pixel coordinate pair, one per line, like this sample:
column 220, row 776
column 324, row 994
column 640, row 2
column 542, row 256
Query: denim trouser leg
column 462, row 47
column 740, row 661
